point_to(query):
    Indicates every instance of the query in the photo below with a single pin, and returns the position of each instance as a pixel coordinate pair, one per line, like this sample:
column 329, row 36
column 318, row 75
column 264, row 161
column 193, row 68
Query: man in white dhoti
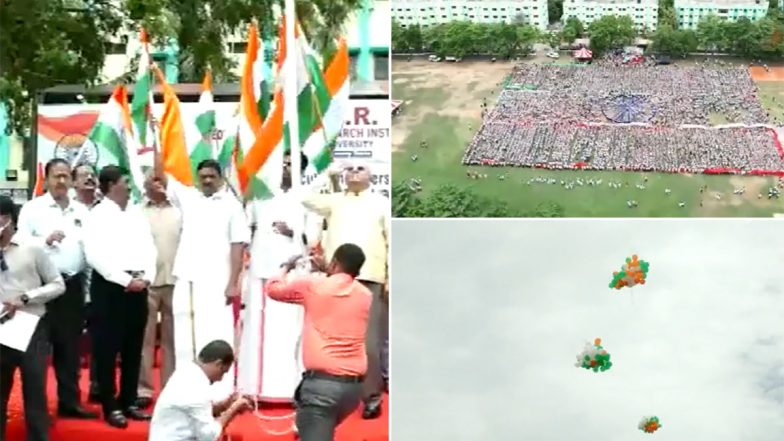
column 215, row 232
column 269, row 355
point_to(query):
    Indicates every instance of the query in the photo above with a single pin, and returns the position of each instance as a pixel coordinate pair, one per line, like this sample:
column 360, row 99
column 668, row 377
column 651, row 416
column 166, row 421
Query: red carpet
column 245, row 428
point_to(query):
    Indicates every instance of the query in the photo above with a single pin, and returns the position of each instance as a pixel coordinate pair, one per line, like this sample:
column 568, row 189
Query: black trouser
column 33, row 366
column 117, row 328
column 93, row 375
column 375, row 339
column 66, row 319
column 323, row 401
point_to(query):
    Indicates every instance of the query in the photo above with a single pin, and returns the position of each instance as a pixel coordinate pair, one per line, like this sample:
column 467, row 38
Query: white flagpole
column 290, row 105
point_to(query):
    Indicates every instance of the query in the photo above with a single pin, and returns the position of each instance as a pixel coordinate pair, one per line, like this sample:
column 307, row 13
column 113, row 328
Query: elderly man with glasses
column 358, row 215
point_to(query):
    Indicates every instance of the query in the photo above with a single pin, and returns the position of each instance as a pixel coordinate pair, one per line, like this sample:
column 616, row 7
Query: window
column 723, row 11
column 352, row 67
column 381, row 67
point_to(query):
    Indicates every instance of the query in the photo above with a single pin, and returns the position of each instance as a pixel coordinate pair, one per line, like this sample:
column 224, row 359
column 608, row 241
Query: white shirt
column 183, row 411
column 41, row 217
column 269, row 249
column 118, row 241
column 209, row 226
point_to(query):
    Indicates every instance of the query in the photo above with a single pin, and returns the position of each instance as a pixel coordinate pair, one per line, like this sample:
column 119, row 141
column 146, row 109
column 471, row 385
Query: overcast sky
column 488, row 317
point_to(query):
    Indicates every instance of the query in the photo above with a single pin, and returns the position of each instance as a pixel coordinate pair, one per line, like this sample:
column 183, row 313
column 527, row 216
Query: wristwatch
column 25, row 299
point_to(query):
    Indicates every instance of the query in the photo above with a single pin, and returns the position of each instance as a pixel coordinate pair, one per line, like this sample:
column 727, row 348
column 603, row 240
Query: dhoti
column 201, row 316
column 270, row 360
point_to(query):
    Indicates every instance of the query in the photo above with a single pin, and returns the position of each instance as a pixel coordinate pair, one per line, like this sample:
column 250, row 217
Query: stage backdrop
column 62, row 129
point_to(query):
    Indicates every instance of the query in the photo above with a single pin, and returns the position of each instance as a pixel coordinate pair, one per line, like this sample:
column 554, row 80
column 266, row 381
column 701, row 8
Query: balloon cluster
column 634, row 272
column 649, row 424
column 594, row 356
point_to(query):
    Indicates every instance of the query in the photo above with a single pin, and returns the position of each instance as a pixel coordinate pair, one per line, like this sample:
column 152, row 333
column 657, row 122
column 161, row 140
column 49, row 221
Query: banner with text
column 365, row 137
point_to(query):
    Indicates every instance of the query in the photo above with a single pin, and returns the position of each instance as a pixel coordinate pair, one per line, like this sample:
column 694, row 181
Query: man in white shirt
column 185, row 411
column 359, row 216
column 54, row 221
column 28, row 280
column 208, row 264
column 269, row 368
column 85, row 191
column 119, row 246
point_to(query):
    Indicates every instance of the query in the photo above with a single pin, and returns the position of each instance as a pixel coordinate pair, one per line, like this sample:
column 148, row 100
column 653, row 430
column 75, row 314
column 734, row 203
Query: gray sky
column 489, row 315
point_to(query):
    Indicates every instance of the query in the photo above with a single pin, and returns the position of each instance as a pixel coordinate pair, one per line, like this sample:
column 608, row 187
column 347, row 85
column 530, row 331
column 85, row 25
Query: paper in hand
column 17, row 332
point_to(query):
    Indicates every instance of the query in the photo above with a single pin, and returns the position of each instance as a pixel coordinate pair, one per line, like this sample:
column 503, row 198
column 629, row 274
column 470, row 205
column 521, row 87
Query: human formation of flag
column 258, row 135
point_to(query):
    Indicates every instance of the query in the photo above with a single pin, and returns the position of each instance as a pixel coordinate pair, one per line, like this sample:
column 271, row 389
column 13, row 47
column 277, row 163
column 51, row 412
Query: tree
column 554, row 10
column 553, row 39
column 710, row 33
column 399, row 44
column 49, row 42
column 572, row 30
column 449, row 201
column 413, row 38
column 667, row 16
column 610, row 32
column 200, row 27
column 667, row 40
column 460, row 38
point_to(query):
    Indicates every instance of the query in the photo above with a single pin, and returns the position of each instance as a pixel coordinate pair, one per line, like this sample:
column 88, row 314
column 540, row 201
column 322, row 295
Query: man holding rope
column 337, row 309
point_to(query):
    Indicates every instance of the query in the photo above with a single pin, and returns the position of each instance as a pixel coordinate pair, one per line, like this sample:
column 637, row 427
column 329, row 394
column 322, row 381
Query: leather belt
column 325, row 376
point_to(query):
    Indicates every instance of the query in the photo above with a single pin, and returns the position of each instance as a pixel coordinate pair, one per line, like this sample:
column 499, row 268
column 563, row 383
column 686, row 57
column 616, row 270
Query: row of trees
column 461, row 38
column 763, row 38
column 51, row 42
column 454, row 202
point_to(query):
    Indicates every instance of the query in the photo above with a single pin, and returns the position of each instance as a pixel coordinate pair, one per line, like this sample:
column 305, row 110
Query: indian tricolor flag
column 174, row 151
column 252, row 184
column 142, row 101
column 324, row 122
column 112, row 135
column 205, row 123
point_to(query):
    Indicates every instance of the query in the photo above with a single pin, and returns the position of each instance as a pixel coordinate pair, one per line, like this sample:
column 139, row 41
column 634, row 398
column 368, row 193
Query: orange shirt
column 337, row 309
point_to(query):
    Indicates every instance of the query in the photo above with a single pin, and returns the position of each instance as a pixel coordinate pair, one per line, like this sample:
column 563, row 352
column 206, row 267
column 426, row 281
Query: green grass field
column 442, row 108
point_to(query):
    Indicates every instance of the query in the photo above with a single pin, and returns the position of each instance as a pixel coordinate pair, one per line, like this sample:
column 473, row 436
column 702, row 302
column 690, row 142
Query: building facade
column 432, row 12
column 644, row 13
column 690, row 12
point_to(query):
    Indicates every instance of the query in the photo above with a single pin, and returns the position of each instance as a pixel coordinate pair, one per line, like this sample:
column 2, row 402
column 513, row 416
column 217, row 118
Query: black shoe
column 76, row 412
column 94, row 397
column 134, row 413
column 371, row 411
column 116, row 419
column 143, row 402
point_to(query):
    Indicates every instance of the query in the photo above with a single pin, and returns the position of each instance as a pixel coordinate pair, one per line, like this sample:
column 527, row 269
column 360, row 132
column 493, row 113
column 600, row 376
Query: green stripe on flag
column 109, row 143
column 264, row 101
column 201, row 152
column 141, row 96
column 205, row 122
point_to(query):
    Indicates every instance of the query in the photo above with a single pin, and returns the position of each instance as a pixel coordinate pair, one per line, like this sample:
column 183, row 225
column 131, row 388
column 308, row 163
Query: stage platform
column 246, row 427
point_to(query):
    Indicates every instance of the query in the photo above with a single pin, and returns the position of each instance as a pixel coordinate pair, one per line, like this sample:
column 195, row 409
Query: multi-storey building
column 644, row 13
column 690, row 12
column 432, row 12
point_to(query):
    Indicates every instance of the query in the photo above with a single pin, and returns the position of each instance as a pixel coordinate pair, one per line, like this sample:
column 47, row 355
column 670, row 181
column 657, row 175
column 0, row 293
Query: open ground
column 442, row 107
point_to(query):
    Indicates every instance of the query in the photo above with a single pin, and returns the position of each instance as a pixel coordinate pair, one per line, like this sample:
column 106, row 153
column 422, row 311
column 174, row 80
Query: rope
column 303, row 265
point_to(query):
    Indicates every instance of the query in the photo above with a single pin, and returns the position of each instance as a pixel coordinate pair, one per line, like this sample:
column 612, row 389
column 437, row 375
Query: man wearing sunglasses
column 358, row 215
column 28, row 280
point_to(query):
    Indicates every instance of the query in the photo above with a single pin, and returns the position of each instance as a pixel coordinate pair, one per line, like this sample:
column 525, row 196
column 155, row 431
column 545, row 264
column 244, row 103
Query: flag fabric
column 324, row 122
column 113, row 138
column 205, row 122
column 174, row 151
column 253, row 184
column 38, row 189
column 142, row 101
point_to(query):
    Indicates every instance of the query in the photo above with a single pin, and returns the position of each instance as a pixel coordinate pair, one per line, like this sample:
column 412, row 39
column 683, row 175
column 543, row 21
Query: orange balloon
column 597, row 342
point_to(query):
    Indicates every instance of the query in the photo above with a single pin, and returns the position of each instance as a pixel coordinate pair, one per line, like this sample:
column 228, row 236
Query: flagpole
column 290, row 107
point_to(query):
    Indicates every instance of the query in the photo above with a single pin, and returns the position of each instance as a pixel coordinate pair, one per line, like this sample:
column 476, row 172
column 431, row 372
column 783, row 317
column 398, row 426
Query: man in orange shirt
column 337, row 308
